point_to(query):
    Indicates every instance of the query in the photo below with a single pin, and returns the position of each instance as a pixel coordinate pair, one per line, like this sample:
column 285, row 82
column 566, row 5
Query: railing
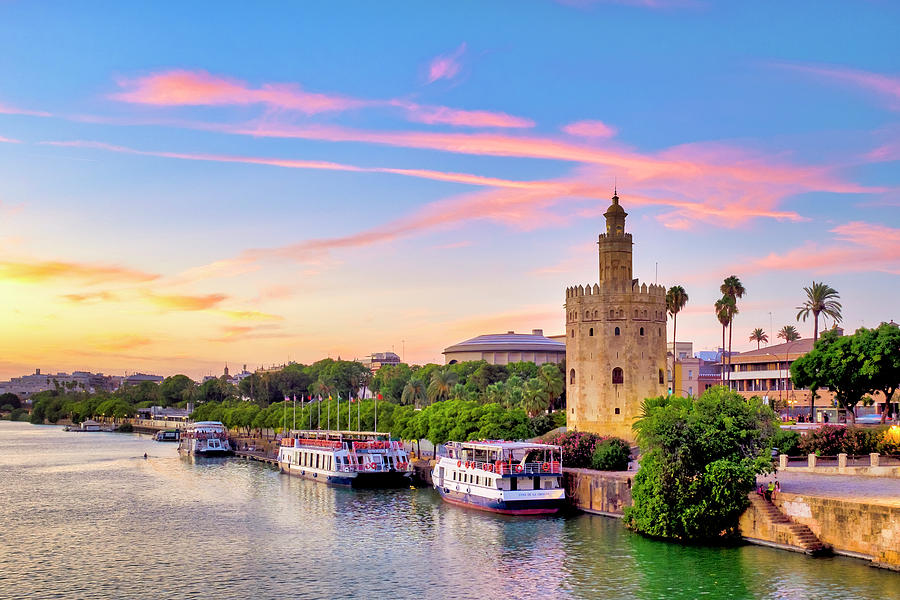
column 328, row 444
column 511, row 468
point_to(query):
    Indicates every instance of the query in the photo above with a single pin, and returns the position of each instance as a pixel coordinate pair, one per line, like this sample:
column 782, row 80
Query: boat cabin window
column 513, row 483
column 536, row 482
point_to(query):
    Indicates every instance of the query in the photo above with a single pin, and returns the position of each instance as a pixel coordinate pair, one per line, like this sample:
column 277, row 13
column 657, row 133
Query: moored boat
column 205, row 438
column 516, row 478
column 167, row 435
column 352, row 458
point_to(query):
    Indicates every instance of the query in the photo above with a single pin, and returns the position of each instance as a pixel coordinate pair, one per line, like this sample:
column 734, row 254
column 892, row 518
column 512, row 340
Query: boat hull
column 358, row 480
column 547, row 506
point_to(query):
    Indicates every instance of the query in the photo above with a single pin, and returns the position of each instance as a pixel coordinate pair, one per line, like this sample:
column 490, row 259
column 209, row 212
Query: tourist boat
column 514, row 478
column 352, row 458
column 205, row 438
column 167, row 435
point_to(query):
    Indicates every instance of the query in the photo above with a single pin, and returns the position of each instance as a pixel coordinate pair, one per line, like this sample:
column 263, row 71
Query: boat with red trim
column 205, row 438
column 514, row 478
column 351, row 458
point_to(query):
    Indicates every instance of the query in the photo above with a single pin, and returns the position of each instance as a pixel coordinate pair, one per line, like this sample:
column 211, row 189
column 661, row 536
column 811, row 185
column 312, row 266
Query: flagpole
column 294, row 424
column 349, row 427
column 319, row 411
column 375, row 428
column 329, row 413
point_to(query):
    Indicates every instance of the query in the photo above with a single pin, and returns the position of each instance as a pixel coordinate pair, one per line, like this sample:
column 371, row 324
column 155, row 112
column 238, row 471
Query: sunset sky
column 184, row 185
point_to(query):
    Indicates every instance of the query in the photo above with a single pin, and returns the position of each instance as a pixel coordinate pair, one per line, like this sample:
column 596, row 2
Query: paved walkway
column 876, row 490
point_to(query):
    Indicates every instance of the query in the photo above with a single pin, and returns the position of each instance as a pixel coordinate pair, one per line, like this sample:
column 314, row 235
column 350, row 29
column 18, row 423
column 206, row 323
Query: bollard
column 811, row 461
column 782, row 461
column 873, row 458
column 842, row 460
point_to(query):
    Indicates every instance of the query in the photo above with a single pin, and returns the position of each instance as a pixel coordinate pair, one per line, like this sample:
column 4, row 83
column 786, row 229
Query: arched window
column 617, row 331
column 635, row 313
column 573, row 333
column 642, row 331
column 591, row 332
column 662, row 376
column 612, row 313
column 618, row 376
column 595, row 314
column 572, row 376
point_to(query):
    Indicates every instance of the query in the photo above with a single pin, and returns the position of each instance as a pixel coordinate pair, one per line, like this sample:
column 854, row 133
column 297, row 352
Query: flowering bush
column 829, row 440
column 578, row 447
column 889, row 442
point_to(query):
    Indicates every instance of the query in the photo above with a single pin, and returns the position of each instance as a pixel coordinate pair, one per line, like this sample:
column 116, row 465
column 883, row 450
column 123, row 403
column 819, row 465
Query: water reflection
column 85, row 516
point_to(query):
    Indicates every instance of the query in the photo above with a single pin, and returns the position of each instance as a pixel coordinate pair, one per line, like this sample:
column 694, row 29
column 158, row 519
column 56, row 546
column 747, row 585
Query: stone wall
column 598, row 492
column 854, row 528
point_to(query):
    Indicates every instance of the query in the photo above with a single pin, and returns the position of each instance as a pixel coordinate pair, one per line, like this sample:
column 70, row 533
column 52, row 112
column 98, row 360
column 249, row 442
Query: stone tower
column 616, row 339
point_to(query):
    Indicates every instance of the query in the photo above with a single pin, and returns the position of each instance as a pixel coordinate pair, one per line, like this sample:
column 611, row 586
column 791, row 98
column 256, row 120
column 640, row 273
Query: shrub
column 125, row 428
column 786, row 441
column 827, row 440
column 612, row 454
column 858, row 441
column 541, row 424
column 577, row 448
column 889, row 442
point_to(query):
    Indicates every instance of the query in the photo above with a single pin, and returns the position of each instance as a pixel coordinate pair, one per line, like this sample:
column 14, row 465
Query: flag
column 379, row 396
column 286, row 399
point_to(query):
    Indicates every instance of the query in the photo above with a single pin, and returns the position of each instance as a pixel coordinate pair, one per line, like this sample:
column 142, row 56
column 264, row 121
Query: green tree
column 700, row 459
column 535, row 397
column 413, row 393
column 441, row 385
column 789, row 333
column 821, row 299
column 173, row 389
column 732, row 288
column 553, row 381
column 758, row 335
column 676, row 298
column 838, row 363
column 11, row 399
column 882, row 362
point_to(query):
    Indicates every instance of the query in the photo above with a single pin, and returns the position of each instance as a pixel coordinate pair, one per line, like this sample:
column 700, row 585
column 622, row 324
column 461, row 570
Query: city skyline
column 239, row 186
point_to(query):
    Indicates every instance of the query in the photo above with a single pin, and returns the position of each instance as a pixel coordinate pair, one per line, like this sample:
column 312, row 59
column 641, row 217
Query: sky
column 189, row 185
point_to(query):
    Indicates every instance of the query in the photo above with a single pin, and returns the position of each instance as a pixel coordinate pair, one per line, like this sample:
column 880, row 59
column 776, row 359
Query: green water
column 83, row 515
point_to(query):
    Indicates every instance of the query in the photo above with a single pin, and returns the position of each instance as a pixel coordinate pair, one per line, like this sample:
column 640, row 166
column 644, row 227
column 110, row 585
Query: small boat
column 205, row 438
column 513, row 478
column 168, row 435
column 350, row 458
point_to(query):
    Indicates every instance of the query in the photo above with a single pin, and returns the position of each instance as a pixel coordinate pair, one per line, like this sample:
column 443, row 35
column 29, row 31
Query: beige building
column 504, row 348
column 616, row 345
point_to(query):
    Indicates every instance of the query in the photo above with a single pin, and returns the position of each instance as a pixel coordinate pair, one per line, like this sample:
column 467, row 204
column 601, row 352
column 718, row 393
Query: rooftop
column 509, row 341
column 801, row 346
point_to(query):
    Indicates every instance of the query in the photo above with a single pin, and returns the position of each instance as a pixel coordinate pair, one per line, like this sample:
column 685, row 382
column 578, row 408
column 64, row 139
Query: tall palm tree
column 822, row 299
column 724, row 308
column 413, row 393
column 789, row 333
column 676, row 298
column 535, row 397
column 734, row 289
column 553, row 382
column 441, row 386
column 758, row 336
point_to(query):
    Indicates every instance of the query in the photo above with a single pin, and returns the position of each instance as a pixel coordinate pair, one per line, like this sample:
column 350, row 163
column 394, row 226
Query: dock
column 257, row 456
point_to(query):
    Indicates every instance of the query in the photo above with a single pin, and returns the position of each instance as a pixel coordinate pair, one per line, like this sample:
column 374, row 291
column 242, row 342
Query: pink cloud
column 866, row 247
column 446, row 66
column 6, row 109
column 884, row 85
column 590, row 129
column 6, row 140
column 199, row 88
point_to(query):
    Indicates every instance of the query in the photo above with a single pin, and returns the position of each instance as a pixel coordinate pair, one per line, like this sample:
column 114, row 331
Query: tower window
column 618, row 376
column 617, row 410
column 573, row 333
column 591, row 333
column 612, row 313
column 642, row 331
column 662, row 375
column 617, row 331
column 572, row 376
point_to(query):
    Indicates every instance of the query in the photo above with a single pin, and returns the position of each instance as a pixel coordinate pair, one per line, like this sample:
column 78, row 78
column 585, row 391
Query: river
column 84, row 515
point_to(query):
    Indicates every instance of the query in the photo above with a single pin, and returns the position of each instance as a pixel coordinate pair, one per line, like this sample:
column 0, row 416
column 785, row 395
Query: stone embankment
column 763, row 523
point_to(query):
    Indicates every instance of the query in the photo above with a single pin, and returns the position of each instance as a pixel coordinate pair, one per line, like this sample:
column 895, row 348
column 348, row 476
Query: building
column 505, row 348
column 380, row 359
column 27, row 385
column 616, row 345
column 139, row 378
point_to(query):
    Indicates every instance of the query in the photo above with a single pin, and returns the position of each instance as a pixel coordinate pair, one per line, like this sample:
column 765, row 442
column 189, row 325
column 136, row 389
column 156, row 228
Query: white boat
column 515, row 478
column 205, row 438
column 352, row 458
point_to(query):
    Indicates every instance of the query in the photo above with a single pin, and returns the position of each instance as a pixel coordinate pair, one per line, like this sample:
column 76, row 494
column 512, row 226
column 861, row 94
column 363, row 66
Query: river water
column 83, row 515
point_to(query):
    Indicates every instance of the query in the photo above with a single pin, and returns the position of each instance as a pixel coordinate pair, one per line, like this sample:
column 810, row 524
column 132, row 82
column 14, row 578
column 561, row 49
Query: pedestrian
column 770, row 489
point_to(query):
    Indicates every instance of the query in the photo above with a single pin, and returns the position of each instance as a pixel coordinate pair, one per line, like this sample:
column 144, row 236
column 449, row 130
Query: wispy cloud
column 590, row 129
column 86, row 273
column 857, row 246
column 250, row 315
column 6, row 140
column 199, row 88
column 446, row 66
column 885, row 86
column 184, row 302
column 6, row 109
column 91, row 297
column 119, row 343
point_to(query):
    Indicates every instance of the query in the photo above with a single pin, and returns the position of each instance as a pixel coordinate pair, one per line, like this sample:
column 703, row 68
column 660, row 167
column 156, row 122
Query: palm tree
column 552, row 380
column 724, row 308
column 734, row 289
column 789, row 333
column 535, row 397
column 441, row 386
column 758, row 336
column 821, row 298
column 413, row 393
column 676, row 298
